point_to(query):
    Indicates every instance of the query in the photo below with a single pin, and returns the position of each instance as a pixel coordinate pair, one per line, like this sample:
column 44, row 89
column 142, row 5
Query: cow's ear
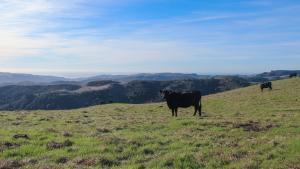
column 160, row 91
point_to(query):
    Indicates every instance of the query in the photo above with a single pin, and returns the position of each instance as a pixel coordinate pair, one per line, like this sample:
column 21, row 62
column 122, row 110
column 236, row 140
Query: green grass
column 243, row 128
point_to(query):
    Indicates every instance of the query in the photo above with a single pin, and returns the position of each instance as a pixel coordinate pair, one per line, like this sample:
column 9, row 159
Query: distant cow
column 175, row 100
column 293, row 75
column 266, row 85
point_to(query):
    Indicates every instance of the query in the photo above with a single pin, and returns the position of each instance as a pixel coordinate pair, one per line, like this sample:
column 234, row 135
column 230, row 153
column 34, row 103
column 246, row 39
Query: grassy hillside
column 242, row 128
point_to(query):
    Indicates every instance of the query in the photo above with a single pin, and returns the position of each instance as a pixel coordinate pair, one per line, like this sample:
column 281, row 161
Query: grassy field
column 242, row 128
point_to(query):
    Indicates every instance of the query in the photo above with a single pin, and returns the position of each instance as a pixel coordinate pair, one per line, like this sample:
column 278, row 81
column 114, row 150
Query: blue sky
column 129, row 36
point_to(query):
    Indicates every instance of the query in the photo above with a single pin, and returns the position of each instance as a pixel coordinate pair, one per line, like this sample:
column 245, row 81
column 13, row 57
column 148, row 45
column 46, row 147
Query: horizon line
column 78, row 75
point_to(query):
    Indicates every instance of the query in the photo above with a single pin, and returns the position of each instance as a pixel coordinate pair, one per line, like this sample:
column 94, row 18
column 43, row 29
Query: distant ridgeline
column 267, row 76
column 277, row 74
column 69, row 96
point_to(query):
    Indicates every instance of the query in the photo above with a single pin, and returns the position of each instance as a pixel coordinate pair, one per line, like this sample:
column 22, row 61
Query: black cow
column 266, row 85
column 293, row 75
column 175, row 100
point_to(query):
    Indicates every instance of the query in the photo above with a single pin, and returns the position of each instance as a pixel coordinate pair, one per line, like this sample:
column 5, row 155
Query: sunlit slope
column 243, row 128
column 284, row 97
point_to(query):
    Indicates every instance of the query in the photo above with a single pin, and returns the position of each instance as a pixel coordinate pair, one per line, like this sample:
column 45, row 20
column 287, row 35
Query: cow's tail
column 200, row 105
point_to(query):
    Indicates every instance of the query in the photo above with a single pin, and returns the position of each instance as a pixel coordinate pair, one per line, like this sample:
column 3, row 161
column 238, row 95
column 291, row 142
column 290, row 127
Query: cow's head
column 165, row 93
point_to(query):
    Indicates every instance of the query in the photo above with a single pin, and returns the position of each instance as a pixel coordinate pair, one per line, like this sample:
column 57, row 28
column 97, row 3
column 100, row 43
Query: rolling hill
column 148, row 77
column 242, row 128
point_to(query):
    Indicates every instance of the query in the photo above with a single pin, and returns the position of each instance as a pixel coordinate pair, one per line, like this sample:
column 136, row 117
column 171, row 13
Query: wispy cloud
column 82, row 35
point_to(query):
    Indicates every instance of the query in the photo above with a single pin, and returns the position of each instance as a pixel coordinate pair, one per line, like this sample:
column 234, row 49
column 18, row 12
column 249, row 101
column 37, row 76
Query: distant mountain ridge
column 26, row 79
column 29, row 79
column 278, row 73
column 68, row 96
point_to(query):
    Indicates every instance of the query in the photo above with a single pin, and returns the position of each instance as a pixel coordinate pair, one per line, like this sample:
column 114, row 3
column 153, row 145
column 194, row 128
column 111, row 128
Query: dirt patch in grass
column 121, row 127
column 239, row 155
column 25, row 136
column 86, row 162
column 8, row 145
column 254, row 126
column 67, row 134
column 30, row 161
column 114, row 140
column 67, row 143
column 169, row 163
column 5, row 164
column 104, row 130
column 62, row 160
column 56, row 145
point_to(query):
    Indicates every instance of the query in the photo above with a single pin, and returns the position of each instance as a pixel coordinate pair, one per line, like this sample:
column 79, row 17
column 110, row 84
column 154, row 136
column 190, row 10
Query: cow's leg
column 176, row 109
column 200, row 109
column 196, row 109
column 173, row 110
